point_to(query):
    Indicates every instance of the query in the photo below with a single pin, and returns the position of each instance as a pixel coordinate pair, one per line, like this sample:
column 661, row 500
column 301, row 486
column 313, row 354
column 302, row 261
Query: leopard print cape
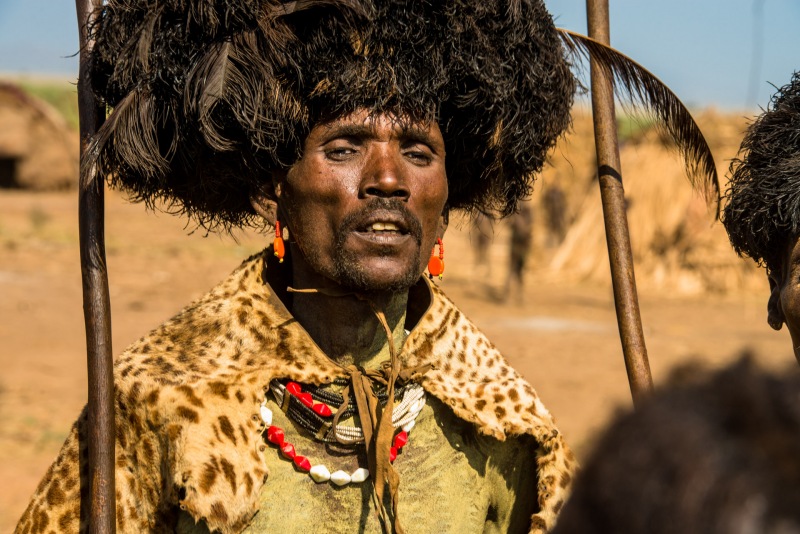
column 187, row 408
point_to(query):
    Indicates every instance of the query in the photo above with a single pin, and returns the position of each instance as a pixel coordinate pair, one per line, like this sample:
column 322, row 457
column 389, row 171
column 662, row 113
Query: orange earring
column 277, row 244
column 436, row 263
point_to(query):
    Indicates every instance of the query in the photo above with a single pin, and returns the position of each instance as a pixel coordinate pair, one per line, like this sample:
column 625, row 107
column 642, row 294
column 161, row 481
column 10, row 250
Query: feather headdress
column 762, row 209
column 209, row 96
column 635, row 83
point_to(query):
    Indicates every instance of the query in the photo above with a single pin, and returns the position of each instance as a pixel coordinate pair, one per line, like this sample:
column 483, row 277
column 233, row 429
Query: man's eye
column 419, row 157
column 339, row 153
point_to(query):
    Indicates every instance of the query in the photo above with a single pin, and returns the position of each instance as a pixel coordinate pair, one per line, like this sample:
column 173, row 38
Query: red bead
column 275, row 435
column 293, row 388
column 287, row 450
column 435, row 266
column 306, row 399
column 302, row 463
column 392, row 454
column 322, row 410
column 279, row 248
column 401, row 439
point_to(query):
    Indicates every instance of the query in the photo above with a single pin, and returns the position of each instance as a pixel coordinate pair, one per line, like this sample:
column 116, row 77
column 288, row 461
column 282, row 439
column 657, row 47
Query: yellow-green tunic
column 452, row 480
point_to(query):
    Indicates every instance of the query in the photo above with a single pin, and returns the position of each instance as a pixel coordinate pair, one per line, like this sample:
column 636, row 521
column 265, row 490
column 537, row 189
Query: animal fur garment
column 188, row 396
column 210, row 96
column 762, row 212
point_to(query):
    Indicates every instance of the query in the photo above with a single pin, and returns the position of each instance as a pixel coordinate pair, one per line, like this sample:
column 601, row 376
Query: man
column 554, row 202
column 714, row 455
column 481, row 235
column 520, row 243
column 305, row 393
column 762, row 214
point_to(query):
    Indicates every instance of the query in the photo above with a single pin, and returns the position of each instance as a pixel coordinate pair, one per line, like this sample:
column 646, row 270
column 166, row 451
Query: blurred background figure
column 715, row 454
column 554, row 202
column 480, row 236
column 521, row 238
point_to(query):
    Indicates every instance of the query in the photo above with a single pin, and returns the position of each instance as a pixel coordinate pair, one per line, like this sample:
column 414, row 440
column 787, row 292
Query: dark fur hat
column 209, row 96
column 762, row 213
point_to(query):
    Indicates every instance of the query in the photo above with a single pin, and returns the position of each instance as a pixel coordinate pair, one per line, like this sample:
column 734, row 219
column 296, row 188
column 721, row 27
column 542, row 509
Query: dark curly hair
column 715, row 453
column 762, row 212
column 210, row 96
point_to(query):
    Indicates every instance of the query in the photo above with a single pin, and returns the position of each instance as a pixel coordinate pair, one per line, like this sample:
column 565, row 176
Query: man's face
column 784, row 302
column 364, row 201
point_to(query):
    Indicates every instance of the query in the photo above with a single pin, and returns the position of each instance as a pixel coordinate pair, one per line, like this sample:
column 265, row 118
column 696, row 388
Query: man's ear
column 775, row 317
column 444, row 221
column 278, row 178
column 264, row 198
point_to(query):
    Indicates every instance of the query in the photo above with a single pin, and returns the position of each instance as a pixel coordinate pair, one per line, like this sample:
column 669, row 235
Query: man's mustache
column 359, row 218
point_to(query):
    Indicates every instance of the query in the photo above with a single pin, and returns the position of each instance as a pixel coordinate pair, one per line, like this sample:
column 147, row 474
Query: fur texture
column 762, row 211
column 210, row 96
column 187, row 398
column 715, row 456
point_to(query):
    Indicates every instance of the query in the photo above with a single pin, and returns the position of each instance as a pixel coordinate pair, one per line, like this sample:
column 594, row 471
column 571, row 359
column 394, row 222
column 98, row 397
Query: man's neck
column 346, row 328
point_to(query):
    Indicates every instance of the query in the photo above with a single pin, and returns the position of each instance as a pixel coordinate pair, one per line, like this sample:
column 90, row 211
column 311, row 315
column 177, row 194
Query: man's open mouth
column 382, row 223
column 385, row 228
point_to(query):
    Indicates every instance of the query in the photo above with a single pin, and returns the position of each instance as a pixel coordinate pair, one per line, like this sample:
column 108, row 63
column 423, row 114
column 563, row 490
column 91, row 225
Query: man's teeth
column 384, row 227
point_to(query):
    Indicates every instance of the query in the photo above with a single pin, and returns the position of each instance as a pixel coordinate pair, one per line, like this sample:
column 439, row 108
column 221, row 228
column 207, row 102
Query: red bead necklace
column 318, row 472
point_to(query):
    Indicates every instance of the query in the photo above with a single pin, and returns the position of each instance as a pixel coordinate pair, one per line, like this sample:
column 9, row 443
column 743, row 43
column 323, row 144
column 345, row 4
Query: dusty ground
column 562, row 337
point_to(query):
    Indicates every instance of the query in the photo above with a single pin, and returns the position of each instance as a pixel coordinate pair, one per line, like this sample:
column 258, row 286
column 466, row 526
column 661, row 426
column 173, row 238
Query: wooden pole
column 626, row 301
column 96, row 303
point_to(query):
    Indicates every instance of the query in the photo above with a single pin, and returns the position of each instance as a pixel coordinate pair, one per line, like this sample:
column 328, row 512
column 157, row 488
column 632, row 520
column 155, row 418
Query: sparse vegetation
column 632, row 126
column 38, row 218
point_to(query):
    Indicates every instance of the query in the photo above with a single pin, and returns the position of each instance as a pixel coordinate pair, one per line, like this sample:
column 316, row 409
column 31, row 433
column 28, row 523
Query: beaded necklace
column 314, row 417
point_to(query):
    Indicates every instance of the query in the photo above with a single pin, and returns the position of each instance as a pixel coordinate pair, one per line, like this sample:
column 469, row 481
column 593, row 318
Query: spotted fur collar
column 188, row 394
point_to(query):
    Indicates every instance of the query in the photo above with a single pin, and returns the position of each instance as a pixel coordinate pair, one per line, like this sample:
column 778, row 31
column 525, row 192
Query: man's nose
column 383, row 175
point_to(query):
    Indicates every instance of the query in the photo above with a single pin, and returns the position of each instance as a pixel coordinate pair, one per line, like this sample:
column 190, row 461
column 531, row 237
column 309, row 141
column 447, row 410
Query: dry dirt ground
column 562, row 337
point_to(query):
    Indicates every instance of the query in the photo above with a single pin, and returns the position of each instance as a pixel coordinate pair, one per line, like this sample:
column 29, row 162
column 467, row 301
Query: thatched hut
column 38, row 150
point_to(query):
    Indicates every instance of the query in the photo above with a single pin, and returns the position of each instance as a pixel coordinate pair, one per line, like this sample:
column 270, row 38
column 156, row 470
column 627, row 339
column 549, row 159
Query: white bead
column 340, row 478
column 408, row 426
column 359, row 475
column 266, row 415
column 320, row 473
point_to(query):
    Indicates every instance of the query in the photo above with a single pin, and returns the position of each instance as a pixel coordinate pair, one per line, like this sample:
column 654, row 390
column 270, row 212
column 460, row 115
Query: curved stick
column 96, row 303
column 626, row 301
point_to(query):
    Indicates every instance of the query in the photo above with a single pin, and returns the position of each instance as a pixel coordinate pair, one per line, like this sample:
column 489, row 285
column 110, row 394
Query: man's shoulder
column 188, row 397
column 470, row 375
column 211, row 344
column 239, row 332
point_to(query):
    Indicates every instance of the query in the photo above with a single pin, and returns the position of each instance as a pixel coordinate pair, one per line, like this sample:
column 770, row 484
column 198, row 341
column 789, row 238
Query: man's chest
column 450, row 481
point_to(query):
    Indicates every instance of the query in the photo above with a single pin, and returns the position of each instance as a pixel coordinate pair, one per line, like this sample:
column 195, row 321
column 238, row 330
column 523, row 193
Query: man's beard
column 349, row 272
